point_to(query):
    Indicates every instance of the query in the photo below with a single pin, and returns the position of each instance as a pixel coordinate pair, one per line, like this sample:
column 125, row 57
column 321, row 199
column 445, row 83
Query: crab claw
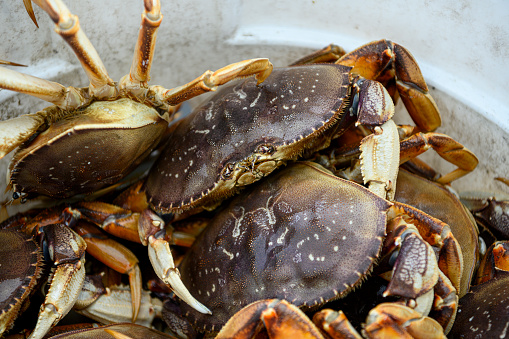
column 162, row 261
column 67, row 250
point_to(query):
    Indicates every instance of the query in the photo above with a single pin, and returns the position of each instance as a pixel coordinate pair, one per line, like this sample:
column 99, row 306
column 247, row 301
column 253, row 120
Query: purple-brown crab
column 306, row 236
column 484, row 311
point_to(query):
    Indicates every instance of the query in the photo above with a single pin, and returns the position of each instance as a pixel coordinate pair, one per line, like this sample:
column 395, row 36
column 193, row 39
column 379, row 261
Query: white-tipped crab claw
column 162, row 261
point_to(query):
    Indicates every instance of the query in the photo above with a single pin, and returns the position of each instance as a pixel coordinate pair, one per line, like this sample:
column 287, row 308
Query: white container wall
column 462, row 48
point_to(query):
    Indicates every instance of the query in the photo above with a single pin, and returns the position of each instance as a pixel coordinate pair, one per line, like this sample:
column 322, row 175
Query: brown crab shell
column 484, row 311
column 246, row 131
column 87, row 150
column 20, row 266
column 301, row 234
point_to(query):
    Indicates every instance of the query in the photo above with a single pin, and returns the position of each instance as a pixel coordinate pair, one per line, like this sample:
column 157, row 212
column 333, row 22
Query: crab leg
column 43, row 89
column 384, row 60
column 209, row 81
column 68, row 27
column 143, row 228
column 327, row 54
column 115, row 256
column 67, row 250
column 144, row 50
column 4, row 62
column 446, row 147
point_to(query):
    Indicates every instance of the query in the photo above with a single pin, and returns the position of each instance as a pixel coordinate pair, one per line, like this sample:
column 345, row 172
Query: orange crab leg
column 113, row 219
column 384, row 61
column 144, row 50
column 327, row 54
column 115, row 256
column 446, row 147
column 209, row 81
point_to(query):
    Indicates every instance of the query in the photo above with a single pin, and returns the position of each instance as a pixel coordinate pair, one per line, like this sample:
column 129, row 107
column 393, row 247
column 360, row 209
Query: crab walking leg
column 144, row 50
column 330, row 53
column 380, row 160
column 4, row 62
column 209, row 81
column 63, row 97
column 162, row 261
column 115, row 256
column 448, row 148
column 115, row 220
column 67, row 250
column 68, row 27
column 384, row 60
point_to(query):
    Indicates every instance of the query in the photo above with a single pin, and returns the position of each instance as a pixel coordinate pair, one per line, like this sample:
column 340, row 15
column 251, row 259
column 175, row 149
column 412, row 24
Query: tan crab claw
column 67, row 252
column 162, row 261
column 380, row 160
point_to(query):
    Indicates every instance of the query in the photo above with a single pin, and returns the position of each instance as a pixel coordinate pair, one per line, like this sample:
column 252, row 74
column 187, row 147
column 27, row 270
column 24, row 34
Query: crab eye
column 227, row 172
column 265, row 149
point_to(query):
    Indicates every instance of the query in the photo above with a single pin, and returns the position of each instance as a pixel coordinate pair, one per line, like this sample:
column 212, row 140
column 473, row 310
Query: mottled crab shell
column 484, row 311
column 246, row 131
column 20, row 266
column 86, row 150
column 302, row 235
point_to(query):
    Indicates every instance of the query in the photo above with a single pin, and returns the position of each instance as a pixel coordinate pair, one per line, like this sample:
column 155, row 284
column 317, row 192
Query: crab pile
column 293, row 203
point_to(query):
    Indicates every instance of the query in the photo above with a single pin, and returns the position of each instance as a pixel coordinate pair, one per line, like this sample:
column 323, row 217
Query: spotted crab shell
column 302, row 235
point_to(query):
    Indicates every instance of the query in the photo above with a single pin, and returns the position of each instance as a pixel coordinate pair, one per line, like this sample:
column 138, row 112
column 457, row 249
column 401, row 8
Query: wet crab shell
column 20, row 266
column 302, row 235
column 246, row 131
column 484, row 311
column 87, row 150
